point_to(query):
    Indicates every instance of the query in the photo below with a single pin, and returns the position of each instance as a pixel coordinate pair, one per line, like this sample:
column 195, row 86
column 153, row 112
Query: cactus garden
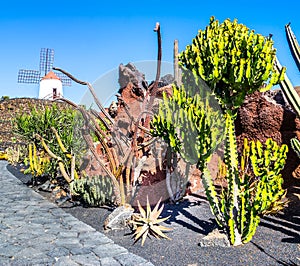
column 193, row 167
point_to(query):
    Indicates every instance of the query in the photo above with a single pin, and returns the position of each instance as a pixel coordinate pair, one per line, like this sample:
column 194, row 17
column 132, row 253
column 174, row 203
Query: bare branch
column 91, row 90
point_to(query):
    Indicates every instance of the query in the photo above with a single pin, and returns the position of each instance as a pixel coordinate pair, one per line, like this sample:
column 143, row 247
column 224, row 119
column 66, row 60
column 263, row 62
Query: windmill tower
column 51, row 84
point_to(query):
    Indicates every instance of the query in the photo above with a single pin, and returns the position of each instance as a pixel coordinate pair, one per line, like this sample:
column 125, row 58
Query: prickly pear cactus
column 93, row 191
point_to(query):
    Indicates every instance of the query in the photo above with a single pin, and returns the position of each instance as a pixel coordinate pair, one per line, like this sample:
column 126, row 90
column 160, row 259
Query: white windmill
column 51, row 84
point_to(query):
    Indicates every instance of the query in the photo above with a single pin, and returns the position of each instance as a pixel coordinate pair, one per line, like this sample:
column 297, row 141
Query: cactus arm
column 293, row 44
column 98, row 103
column 59, row 159
column 288, row 90
column 252, row 225
column 113, row 161
column 231, row 161
column 30, row 158
column 295, row 143
column 73, row 171
column 35, row 167
column 68, row 155
column 61, row 145
column 212, row 197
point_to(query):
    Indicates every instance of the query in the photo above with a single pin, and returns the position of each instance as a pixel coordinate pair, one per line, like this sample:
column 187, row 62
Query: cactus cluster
column 232, row 60
column 258, row 185
column 38, row 163
column 189, row 125
column 67, row 165
column 191, row 128
column 93, row 191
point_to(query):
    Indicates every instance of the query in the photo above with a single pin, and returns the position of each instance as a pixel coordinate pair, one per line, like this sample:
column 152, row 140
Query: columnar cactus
column 93, row 191
column 234, row 62
column 259, row 190
column 293, row 44
column 189, row 125
column 37, row 163
column 286, row 85
column 295, row 143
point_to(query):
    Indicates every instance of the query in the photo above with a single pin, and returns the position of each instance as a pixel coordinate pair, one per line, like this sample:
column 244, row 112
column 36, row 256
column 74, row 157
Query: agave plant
column 146, row 222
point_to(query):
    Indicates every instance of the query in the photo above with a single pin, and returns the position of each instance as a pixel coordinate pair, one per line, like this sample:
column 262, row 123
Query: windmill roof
column 51, row 75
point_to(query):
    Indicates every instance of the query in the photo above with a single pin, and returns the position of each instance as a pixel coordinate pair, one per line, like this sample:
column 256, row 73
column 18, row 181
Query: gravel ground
column 276, row 242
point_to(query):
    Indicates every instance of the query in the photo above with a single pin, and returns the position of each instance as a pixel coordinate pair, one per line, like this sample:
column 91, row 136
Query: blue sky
column 91, row 38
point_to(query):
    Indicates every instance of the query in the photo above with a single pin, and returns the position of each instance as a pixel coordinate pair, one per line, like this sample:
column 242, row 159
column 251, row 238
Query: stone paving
column 34, row 231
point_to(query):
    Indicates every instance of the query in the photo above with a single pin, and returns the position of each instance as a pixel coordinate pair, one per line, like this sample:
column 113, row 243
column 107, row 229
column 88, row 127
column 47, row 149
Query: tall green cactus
column 293, row 44
column 234, row 62
column 286, row 85
column 289, row 90
column 93, row 191
column 191, row 127
column 259, row 188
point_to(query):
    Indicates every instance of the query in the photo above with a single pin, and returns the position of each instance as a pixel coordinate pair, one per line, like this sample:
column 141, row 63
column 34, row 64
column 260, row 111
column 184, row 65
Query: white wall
column 47, row 86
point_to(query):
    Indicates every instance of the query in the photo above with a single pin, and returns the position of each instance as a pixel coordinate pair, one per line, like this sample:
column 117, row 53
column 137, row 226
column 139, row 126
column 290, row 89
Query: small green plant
column 13, row 154
column 67, row 123
column 93, row 191
column 146, row 222
column 4, row 97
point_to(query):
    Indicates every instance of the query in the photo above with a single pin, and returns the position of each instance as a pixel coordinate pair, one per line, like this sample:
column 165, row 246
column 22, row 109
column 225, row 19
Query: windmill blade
column 46, row 60
column 65, row 80
column 28, row 76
